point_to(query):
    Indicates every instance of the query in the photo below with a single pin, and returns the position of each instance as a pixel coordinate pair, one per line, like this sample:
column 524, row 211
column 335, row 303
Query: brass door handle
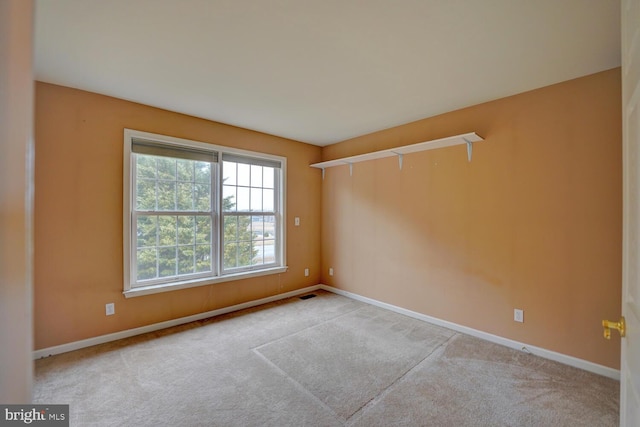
column 620, row 326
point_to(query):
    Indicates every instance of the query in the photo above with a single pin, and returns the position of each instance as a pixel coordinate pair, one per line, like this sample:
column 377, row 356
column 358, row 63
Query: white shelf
column 467, row 138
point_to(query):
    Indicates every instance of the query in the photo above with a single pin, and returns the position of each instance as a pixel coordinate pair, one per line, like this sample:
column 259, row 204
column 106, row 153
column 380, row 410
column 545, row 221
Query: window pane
column 245, row 254
column 186, row 263
column 186, row 230
column 203, row 197
column 256, row 176
column 229, row 198
column 269, row 250
column 230, row 255
column 146, row 261
column 243, row 199
column 269, row 177
column 146, row 195
column 185, row 196
column 257, row 227
column 229, row 173
column 203, row 258
column 203, row 172
column 203, row 230
column 230, row 229
column 269, row 200
column 244, row 172
column 167, row 231
column 256, row 199
column 166, row 168
column 258, row 257
column 244, row 228
column 166, row 196
column 167, row 262
column 145, row 166
column 185, row 170
column 263, row 234
column 146, row 230
column 269, row 226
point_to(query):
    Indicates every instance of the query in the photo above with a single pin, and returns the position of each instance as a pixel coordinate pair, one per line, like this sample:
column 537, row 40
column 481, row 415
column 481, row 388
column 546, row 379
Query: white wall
column 16, row 200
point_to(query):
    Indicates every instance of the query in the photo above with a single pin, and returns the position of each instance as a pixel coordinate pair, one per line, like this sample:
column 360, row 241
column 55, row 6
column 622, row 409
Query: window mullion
column 133, row 218
column 157, row 241
column 277, row 206
column 174, row 213
column 246, row 213
column 177, row 250
column 217, row 224
column 133, row 248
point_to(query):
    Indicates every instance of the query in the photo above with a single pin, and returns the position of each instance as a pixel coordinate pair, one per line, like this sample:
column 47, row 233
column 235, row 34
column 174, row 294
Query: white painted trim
column 76, row 345
column 547, row 354
column 164, row 287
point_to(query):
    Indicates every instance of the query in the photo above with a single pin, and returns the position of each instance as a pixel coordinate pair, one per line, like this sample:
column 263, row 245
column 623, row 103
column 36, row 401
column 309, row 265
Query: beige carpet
column 324, row 361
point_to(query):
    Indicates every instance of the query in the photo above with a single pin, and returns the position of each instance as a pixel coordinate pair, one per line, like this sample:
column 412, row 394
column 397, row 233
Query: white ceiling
column 321, row 71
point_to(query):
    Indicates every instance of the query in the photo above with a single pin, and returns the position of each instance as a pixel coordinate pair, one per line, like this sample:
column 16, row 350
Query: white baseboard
column 76, row 345
column 547, row 354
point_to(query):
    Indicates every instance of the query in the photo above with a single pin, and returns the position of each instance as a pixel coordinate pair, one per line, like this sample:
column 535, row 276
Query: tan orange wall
column 533, row 222
column 78, row 216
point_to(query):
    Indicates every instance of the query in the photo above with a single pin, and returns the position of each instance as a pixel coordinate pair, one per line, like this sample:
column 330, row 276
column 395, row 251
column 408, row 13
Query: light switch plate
column 518, row 315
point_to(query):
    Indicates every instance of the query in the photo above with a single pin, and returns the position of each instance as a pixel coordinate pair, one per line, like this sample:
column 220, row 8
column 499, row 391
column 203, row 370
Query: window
column 249, row 190
column 197, row 214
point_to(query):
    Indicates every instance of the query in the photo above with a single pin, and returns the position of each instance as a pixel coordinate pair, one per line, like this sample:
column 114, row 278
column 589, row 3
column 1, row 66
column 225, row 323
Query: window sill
column 155, row 289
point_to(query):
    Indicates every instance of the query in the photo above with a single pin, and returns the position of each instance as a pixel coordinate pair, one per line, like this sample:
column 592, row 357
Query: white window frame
column 250, row 213
column 131, row 288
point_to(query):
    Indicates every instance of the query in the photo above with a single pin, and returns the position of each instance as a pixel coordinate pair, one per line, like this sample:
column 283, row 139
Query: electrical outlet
column 306, row 272
column 330, row 271
column 110, row 309
column 296, row 221
column 518, row 315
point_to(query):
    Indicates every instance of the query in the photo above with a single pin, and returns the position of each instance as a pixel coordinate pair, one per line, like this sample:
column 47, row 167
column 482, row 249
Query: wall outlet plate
column 330, row 271
column 306, row 272
column 110, row 309
column 518, row 315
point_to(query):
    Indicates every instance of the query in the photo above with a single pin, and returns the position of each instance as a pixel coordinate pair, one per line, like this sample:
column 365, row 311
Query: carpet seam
column 360, row 411
column 298, row 385
column 308, row 328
